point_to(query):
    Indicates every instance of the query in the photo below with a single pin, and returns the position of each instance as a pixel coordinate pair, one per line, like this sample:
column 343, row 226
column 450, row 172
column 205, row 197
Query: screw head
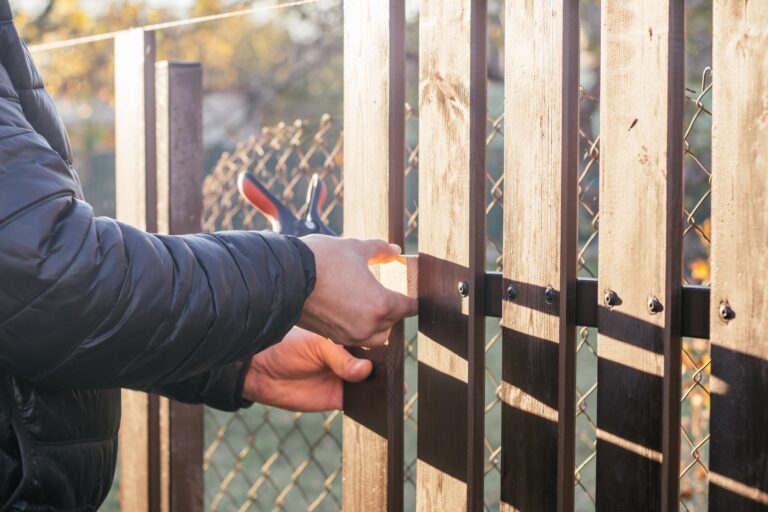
column 463, row 288
column 610, row 298
column 511, row 292
column 549, row 295
column 726, row 312
column 654, row 306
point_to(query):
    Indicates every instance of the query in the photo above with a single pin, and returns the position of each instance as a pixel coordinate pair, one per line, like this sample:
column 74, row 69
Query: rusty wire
column 267, row 459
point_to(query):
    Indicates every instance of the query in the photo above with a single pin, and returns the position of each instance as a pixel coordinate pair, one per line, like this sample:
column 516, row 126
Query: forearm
column 220, row 388
column 88, row 302
column 95, row 303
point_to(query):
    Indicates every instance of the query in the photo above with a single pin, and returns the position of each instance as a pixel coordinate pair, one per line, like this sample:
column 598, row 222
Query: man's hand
column 348, row 304
column 303, row 372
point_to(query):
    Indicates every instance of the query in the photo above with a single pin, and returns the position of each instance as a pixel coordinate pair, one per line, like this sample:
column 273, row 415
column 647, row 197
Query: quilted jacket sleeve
column 91, row 302
column 221, row 388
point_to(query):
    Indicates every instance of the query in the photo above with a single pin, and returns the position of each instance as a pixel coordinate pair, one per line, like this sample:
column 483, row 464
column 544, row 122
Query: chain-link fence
column 696, row 242
column 267, row 459
column 264, row 458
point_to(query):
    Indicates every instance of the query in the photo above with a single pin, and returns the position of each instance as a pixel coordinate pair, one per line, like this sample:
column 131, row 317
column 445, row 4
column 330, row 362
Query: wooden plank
column 136, row 198
column 538, row 327
column 136, row 161
column 374, row 124
column 739, row 445
column 401, row 275
column 180, row 169
column 452, row 99
column 638, row 418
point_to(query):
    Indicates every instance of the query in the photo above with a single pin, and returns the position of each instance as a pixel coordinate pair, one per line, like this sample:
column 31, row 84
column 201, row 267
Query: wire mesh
column 410, row 365
column 695, row 401
column 266, row 459
column 263, row 458
column 586, row 338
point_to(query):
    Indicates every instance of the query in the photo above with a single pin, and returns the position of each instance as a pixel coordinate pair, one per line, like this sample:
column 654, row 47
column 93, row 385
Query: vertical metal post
column 180, row 169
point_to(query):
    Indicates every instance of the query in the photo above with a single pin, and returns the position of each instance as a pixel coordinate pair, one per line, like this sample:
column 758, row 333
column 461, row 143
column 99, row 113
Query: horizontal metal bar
column 695, row 306
column 695, row 312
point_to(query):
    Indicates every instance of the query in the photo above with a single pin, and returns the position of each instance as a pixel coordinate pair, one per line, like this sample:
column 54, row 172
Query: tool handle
column 262, row 199
column 280, row 216
column 317, row 193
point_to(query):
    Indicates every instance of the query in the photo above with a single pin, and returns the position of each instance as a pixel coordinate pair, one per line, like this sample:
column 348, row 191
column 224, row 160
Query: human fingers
column 343, row 364
column 401, row 306
column 379, row 251
column 379, row 339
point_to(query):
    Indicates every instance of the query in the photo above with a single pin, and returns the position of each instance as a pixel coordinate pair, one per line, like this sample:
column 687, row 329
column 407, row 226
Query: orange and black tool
column 280, row 216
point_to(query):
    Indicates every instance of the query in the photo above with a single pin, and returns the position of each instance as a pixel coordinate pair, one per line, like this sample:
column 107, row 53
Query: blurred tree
column 259, row 69
column 278, row 59
column 273, row 60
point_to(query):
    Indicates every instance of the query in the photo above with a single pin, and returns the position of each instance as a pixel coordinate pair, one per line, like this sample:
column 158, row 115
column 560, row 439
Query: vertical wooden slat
column 374, row 103
column 540, row 161
column 638, row 409
column 136, row 161
column 739, row 307
column 136, row 201
column 180, row 169
column 452, row 99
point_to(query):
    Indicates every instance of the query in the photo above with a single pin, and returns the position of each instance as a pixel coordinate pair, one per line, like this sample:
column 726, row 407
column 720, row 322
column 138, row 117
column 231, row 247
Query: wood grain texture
column 136, row 198
column 538, row 347
column 401, row 275
column 374, row 124
column 739, row 385
column 640, row 254
column 136, row 162
column 452, row 100
column 180, row 169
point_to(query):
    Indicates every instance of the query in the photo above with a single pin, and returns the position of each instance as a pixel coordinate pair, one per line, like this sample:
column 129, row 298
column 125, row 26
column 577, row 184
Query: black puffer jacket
column 89, row 305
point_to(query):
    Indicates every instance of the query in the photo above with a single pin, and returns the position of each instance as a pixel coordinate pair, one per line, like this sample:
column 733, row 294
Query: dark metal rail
column 695, row 307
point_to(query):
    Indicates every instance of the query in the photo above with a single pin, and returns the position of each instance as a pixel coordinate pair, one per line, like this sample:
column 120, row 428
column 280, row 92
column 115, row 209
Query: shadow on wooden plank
column 739, row 428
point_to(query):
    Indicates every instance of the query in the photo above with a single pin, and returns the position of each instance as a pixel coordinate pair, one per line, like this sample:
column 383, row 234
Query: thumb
column 379, row 251
column 344, row 364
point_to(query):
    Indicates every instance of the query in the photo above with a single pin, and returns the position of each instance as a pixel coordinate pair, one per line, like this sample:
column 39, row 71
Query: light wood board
column 540, row 162
column 452, row 118
column 136, row 198
column 374, row 98
column 638, row 395
column 739, row 383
